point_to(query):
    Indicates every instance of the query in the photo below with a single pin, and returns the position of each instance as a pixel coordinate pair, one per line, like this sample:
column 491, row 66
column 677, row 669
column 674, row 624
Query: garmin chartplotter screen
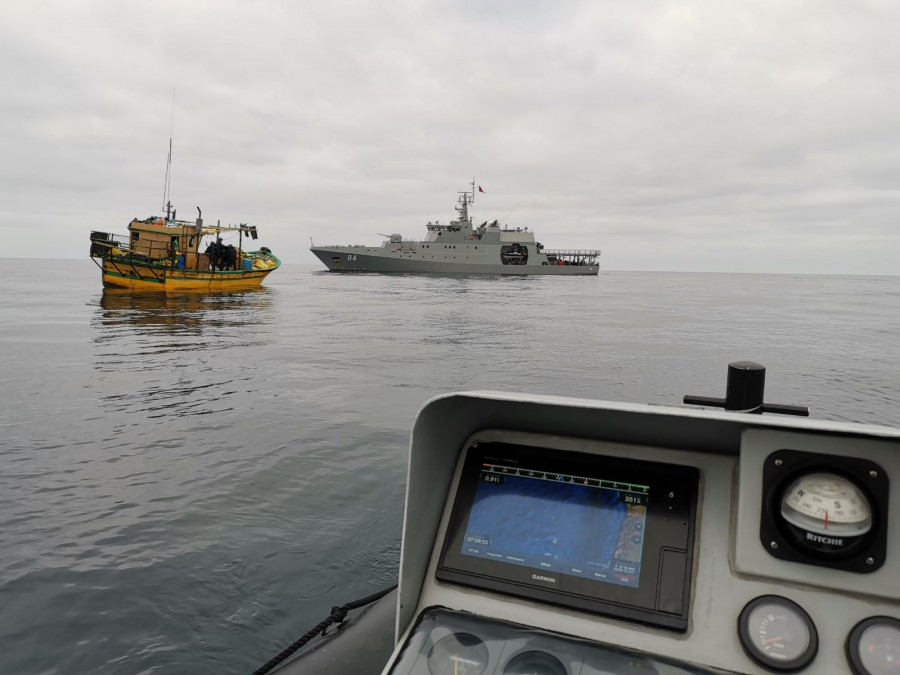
column 558, row 522
column 601, row 534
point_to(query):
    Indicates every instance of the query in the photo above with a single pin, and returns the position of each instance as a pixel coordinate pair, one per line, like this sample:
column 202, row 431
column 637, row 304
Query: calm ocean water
column 190, row 483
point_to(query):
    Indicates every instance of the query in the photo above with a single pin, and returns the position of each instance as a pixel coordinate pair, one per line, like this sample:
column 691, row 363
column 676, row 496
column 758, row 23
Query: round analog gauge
column 776, row 633
column 458, row 654
column 826, row 513
column 534, row 663
column 873, row 647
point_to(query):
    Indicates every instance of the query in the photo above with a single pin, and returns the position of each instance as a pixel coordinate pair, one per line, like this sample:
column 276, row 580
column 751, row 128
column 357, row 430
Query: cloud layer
column 700, row 136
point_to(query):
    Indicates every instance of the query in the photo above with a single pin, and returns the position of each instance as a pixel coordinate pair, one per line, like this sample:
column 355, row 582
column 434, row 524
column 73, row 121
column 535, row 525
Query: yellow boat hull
column 140, row 278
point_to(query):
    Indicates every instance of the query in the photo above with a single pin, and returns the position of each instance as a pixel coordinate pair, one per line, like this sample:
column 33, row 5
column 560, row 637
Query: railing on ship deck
column 572, row 256
column 117, row 248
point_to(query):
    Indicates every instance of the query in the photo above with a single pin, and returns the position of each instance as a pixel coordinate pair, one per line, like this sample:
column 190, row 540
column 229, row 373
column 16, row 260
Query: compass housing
column 825, row 510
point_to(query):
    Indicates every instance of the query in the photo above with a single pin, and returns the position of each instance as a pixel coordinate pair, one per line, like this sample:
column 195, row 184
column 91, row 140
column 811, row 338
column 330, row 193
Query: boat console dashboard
column 571, row 537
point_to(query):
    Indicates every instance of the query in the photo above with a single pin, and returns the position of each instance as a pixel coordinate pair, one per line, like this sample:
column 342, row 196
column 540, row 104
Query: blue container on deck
column 246, row 264
column 179, row 264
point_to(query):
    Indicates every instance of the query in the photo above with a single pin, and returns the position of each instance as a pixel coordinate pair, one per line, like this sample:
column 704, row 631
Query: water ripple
column 190, row 482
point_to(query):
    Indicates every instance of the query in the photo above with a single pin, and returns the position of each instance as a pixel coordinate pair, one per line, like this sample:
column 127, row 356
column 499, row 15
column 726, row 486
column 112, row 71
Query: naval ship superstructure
column 461, row 247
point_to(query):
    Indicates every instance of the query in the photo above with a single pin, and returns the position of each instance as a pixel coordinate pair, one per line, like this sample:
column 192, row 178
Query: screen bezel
column 666, row 519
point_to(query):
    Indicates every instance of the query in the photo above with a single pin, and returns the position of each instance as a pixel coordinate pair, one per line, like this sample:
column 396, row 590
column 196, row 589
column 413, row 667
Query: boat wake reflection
column 168, row 355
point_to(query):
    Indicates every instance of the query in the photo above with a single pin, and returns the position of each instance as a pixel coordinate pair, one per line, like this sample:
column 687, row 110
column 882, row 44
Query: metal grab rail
column 145, row 252
column 154, row 257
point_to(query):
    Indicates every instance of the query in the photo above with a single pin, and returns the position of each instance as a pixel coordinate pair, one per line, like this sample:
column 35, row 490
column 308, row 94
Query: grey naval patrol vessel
column 460, row 247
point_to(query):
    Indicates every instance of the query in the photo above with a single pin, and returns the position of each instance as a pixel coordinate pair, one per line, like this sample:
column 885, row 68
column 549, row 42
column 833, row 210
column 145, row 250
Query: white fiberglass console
column 572, row 537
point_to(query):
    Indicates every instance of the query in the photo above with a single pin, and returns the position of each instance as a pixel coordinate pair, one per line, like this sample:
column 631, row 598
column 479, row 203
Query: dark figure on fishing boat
column 213, row 255
column 217, row 252
column 229, row 257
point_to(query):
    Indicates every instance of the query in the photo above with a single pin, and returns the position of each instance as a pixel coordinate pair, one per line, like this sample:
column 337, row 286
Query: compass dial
column 826, row 512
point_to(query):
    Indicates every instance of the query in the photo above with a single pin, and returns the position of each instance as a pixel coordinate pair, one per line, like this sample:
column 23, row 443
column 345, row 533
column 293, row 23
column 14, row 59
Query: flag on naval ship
column 480, row 190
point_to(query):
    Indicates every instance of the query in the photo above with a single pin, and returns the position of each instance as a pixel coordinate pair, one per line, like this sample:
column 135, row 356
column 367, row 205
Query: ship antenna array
column 468, row 196
column 167, row 188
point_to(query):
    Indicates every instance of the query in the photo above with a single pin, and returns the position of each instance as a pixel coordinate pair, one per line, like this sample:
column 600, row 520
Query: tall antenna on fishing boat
column 167, row 188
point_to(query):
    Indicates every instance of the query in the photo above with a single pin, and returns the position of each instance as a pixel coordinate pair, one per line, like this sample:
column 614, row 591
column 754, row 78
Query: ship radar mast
column 466, row 198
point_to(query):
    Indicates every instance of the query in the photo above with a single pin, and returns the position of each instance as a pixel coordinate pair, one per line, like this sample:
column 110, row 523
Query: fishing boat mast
column 167, row 186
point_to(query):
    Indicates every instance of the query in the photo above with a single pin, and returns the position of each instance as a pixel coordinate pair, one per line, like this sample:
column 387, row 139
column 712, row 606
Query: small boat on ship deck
column 162, row 254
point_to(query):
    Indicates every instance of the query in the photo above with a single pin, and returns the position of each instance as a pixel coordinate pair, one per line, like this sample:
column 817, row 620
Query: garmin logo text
column 829, row 541
column 540, row 577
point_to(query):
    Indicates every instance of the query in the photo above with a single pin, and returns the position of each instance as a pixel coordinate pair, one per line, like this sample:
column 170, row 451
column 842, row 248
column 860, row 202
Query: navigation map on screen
column 580, row 526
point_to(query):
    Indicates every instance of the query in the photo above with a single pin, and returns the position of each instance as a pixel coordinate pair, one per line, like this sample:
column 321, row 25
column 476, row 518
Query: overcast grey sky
column 688, row 135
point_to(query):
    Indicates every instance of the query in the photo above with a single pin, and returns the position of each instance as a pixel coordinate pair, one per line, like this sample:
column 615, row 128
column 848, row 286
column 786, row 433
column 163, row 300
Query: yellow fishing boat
column 162, row 254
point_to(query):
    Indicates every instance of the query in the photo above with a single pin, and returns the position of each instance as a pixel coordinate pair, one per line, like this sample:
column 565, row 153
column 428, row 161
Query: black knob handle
column 745, row 392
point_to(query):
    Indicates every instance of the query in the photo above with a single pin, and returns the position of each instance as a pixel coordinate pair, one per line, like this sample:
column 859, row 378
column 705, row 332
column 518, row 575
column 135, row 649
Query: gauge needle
column 774, row 639
column 826, row 520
